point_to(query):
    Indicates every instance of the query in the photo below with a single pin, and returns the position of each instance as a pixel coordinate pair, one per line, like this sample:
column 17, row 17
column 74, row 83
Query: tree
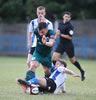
column 25, row 10
column 12, row 11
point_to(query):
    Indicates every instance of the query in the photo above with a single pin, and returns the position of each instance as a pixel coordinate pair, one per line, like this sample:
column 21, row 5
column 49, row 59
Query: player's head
column 42, row 28
column 67, row 16
column 60, row 63
column 41, row 12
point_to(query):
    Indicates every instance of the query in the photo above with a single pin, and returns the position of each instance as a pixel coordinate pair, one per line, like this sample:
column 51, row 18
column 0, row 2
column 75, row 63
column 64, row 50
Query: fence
column 84, row 47
column 15, row 45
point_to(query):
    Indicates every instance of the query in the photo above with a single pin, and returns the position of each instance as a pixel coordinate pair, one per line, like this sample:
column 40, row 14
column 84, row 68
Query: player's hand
column 42, row 19
column 64, row 91
column 44, row 39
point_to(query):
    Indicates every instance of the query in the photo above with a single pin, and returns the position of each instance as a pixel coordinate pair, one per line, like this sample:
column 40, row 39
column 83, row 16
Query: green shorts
column 45, row 61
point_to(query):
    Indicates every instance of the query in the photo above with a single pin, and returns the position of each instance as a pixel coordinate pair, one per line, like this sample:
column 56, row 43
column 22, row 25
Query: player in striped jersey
column 32, row 40
column 52, row 84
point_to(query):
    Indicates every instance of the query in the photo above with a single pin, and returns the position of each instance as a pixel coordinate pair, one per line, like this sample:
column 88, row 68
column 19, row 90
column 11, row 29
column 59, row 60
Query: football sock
column 30, row 75
column 47, row 75
column 54, row 62
column 34, row 81
column 78, row 66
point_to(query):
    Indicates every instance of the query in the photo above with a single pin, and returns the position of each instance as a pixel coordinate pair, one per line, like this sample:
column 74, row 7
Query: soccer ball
column 32, row 90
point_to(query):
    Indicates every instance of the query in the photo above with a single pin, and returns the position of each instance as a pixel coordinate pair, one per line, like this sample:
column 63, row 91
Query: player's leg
column 34, row 65
column 58, row 52
column 46, row 84
column 77, row 64
column 63, row 88
column 47, row 64
column 19, row 82
column 28, row 60
column 46, row 71
column 70, row 53
column 55, row 57
column 40, row 81
column 30, row 53
column 31, row 72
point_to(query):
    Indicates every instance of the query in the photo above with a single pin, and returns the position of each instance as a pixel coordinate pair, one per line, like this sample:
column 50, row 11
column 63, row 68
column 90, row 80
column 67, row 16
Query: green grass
column 13, row 67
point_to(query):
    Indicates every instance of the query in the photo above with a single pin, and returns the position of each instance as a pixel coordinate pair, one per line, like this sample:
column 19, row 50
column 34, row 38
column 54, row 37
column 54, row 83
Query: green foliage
column 12, row 11
column 25, row 10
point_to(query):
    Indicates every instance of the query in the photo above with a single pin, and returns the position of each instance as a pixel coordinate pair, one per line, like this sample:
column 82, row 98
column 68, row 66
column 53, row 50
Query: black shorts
column 51, row 86
column 31, row 50
column 68, row 48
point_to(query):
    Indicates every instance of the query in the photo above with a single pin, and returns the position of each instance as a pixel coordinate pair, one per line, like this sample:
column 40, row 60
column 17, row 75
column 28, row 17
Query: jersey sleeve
column 61, row 69
column 50, row 26
column 70, row 30
column 30, row 27
column 52, row 34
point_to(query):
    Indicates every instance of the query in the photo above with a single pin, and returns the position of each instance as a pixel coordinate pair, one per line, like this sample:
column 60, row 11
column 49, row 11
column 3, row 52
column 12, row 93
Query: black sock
column 78, row 66
column 54, row 62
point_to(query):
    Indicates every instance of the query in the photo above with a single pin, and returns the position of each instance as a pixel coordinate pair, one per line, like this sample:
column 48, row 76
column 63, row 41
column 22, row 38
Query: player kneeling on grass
column 52, row 84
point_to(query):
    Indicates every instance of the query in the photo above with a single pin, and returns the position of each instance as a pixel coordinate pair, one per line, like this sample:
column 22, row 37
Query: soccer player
column 41, row 12
column 42, row 53
column 65, row 31
column 52, row 84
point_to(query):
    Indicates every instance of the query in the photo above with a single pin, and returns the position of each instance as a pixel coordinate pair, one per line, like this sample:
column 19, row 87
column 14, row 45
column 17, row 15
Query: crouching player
column 52, row 84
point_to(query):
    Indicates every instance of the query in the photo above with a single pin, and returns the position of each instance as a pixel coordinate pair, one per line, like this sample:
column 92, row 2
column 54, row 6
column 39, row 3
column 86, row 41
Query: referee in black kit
column 65, row 31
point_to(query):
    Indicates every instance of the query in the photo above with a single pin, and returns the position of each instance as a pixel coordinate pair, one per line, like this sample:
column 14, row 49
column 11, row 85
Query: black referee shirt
column 67, row 29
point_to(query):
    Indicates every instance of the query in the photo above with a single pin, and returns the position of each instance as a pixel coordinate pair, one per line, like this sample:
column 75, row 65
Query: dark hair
column 42, row 25
column 63, row 62
column 68, row 13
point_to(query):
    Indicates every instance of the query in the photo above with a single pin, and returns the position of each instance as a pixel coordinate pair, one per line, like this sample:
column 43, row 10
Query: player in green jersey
column 42, row 53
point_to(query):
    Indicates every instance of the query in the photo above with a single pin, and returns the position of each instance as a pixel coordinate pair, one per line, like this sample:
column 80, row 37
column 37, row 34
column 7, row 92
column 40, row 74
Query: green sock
column 29, row 75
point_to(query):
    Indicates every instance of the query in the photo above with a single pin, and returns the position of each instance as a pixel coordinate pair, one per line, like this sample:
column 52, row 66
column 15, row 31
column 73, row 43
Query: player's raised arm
column 49, row 43
column 67, row 71
column 66, row 36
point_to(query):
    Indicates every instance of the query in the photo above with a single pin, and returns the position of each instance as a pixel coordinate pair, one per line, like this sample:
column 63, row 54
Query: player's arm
column 29, row 39
column 67, row 71
column 57, row 33
column 49, row 43
column 66, row 36
column 63, row 88
column 30, row 34
column 70, row 33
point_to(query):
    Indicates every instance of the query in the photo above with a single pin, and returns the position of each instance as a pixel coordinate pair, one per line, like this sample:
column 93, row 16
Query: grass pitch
column 13, row 67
